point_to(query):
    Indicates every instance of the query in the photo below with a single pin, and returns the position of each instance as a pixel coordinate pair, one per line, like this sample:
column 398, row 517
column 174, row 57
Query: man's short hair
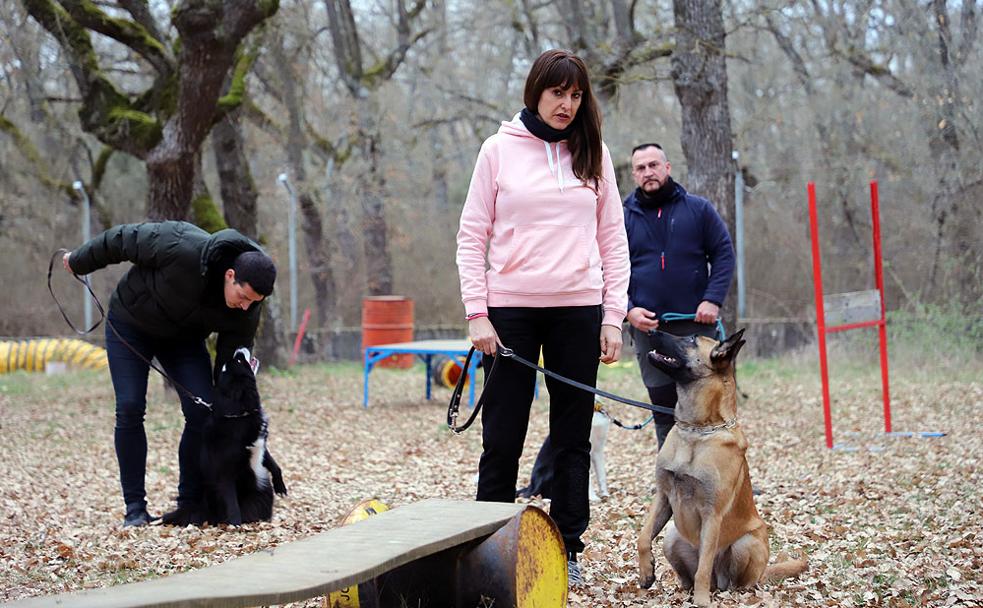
column 644, row 146
column 257, row 269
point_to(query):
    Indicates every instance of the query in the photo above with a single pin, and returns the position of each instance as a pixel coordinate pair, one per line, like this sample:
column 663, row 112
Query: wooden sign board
column 852, row 307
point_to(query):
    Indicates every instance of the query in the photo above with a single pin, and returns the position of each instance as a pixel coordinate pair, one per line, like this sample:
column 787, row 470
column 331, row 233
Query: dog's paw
column 280, row 489
column 701, row 599
column 646, row 573
column 183, row 516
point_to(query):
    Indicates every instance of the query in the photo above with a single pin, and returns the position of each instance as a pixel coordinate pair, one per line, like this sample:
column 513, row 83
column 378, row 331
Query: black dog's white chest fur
column 256, row 452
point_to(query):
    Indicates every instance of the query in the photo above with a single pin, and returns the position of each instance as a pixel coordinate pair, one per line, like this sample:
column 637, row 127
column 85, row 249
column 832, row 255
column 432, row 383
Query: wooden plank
column 307, row 568
column 852, row 307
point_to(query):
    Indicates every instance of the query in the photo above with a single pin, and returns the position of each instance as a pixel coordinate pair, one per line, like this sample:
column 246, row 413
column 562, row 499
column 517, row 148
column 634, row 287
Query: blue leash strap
column 669, row 317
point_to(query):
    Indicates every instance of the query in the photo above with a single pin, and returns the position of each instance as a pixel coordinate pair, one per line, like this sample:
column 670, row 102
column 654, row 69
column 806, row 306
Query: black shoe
column 136, row 515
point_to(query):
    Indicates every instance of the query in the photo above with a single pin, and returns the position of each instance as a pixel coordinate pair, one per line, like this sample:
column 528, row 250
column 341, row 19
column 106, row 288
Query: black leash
column 627, row 427
column 102, row 315
column 455, row 403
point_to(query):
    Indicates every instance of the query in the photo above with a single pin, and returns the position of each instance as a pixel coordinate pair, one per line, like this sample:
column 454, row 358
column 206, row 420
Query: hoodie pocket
column 556, row 257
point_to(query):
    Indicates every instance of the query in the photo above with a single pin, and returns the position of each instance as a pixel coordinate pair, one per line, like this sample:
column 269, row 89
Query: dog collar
column 705, row 430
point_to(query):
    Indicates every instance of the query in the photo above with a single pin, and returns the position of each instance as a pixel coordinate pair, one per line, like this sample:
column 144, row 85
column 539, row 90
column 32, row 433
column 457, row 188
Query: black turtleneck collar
column 659, row 198
column 542, row 130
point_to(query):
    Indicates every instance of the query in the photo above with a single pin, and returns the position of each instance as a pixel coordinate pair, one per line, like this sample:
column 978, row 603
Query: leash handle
column 60, row 253
column 455, row 404
column 669, row 317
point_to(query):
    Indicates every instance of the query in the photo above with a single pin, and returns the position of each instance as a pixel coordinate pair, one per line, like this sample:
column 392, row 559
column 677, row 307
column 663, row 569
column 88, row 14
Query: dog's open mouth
column 660, row 360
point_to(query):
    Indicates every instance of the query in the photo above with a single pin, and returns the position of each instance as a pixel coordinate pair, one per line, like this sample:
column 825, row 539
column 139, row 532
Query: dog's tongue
column 254, row 364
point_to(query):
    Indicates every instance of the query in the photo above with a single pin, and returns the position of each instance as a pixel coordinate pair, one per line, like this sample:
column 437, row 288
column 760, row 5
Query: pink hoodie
column 551, row 239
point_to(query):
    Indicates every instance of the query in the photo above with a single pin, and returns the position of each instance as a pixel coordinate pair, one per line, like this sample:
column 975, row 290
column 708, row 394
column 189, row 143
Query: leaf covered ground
column 896, row 522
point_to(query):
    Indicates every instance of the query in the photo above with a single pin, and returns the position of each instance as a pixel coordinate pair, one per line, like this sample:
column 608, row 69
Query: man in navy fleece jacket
column 682, row 261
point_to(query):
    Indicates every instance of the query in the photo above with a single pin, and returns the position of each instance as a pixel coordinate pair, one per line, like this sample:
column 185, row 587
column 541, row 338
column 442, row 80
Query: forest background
column 375, row 111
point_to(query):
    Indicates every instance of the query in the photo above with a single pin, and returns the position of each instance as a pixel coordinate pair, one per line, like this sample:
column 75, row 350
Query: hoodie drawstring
column 558, row 171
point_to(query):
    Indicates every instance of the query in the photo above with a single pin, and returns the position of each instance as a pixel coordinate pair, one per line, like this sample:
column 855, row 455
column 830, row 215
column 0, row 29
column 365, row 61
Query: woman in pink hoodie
column 543, row 262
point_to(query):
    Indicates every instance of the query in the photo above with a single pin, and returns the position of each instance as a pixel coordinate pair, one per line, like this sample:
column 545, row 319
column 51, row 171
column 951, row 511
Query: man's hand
column 64, row 261
column 610, row 343
column 642, row 319
column 483, row 335
column 707, row 312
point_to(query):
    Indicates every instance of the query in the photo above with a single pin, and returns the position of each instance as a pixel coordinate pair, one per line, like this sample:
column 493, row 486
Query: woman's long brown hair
column 562, row 68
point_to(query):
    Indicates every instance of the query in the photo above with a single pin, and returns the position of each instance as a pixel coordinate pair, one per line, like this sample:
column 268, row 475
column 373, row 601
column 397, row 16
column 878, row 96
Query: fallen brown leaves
column 898, row 526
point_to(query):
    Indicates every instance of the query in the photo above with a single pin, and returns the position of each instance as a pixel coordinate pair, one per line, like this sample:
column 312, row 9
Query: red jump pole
column 300, row 336
column 875, row 218
column 817, row 277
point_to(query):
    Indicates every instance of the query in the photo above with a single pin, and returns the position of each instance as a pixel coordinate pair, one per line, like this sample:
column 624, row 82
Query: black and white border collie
column 238, row 471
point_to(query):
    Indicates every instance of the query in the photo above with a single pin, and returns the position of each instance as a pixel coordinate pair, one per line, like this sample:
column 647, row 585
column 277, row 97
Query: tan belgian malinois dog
column 717, row 539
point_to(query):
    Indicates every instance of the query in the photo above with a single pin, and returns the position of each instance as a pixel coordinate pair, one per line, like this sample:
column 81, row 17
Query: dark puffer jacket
column 168, row 290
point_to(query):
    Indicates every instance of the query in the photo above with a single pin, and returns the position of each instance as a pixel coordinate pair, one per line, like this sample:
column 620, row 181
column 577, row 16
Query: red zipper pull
column 663, row 260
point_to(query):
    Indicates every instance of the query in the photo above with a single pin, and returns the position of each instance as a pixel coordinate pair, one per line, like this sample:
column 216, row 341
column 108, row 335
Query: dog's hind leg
column 682, row 556
column 744, row 562
column 658, row 515
column 275, row 473
column 597, row 466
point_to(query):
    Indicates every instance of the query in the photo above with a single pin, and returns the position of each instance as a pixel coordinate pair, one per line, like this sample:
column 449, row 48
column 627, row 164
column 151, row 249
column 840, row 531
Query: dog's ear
column 728, row 349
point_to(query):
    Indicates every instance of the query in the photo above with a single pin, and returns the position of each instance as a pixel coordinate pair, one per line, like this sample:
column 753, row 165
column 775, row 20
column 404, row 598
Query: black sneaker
column 136, row 515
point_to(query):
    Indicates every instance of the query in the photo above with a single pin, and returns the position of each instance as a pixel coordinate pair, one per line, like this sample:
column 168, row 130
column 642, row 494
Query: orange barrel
column 388, row 320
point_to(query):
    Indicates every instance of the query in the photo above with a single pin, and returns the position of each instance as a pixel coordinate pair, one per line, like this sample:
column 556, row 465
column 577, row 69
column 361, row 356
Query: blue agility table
column 425, row 350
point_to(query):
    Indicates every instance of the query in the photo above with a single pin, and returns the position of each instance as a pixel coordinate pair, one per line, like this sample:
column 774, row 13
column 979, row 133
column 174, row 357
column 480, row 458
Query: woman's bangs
column 564, row 74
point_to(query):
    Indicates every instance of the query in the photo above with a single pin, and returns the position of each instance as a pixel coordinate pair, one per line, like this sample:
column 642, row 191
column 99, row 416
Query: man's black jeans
column 570, row 340
column 185, row 360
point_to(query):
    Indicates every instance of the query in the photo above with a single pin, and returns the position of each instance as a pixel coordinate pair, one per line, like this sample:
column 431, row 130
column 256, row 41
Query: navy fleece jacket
column 671, row 247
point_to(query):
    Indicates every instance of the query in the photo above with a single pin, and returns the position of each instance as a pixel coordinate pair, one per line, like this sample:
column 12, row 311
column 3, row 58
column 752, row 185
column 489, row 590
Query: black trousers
column 570, row 342
column 187, row 361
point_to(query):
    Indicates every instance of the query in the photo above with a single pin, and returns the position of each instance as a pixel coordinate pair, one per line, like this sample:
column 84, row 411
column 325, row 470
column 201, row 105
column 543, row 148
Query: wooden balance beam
column 427, row 553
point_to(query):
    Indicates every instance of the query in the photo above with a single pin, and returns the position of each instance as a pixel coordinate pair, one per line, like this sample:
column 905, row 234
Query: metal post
column 739, row 240
column 86, row 235
column 817, row 277
column 875, row 218
column 292, row 242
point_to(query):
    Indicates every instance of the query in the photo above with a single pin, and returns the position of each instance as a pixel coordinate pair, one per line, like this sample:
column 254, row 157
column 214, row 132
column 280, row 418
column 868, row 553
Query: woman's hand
column 483, row 335
column 610, row 343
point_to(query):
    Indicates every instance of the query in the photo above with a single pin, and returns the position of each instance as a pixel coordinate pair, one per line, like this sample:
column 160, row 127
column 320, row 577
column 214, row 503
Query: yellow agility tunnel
column 33, row 355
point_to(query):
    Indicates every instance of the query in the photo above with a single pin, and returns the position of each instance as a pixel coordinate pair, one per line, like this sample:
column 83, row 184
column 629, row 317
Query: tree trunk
column 378, row 260
column 700, row 81
column 236, row 183
column 318, row 258
column 240, row 210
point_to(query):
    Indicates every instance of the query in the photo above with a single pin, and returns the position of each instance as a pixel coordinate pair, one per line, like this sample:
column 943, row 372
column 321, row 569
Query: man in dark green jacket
column 184, row 284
